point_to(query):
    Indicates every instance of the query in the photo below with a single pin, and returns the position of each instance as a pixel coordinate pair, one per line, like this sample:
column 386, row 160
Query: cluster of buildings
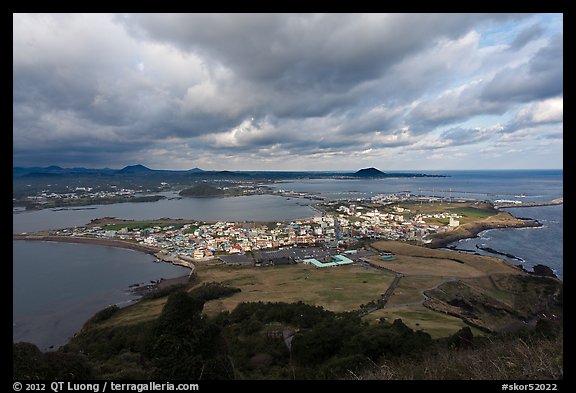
column 343, row 225
column 201, row 240
column 317, row 256
column 79, row 193
column 359, row 220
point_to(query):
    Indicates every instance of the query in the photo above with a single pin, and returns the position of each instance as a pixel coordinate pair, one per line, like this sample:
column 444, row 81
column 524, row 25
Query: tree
column 185, row 345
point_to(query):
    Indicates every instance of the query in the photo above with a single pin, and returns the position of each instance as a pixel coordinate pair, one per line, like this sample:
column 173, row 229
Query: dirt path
column 384, row 299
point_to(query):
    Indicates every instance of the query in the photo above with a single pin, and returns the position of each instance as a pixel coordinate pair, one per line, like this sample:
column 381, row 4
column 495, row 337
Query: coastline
column 55, row 327
column 87, row 240
column 465, row 231
column 472, row 231
column 502, row 220
column 157, row 252
column 553, row 202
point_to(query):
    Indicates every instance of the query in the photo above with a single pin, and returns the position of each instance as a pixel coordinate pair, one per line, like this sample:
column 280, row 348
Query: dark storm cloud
column 303, row 51
column 182, row 85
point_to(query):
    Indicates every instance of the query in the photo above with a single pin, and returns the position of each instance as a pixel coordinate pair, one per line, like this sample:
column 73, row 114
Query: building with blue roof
column 337, row 260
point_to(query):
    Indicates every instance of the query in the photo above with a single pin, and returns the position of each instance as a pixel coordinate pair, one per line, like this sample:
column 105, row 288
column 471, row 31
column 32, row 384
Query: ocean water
column 523, row 185
column 254, row 208
column 58, row 286
column 48, row 311
column 541, row 245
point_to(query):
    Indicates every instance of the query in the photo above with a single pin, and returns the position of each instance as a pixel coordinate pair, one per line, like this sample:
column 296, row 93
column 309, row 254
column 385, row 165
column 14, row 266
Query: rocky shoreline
column 473, row 231
column 141, row 289
column 553, row 202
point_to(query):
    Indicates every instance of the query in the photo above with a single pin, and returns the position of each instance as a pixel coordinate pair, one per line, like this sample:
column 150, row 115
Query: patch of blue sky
column 480, row 121
column 505, row 33
column 552, row 23
column 502, row 34
column 486, row 121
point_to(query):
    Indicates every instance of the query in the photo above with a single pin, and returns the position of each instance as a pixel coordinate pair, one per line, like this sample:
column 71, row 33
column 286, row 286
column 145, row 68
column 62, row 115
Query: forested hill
column 250, row 343
column 202, row 190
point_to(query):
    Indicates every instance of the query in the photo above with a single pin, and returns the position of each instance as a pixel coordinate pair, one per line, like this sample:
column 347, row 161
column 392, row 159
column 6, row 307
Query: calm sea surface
column 536, row 186
column 58, row 286
column 254, row 208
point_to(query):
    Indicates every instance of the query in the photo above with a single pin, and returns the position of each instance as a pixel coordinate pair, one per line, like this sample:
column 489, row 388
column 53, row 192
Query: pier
column 553, row 202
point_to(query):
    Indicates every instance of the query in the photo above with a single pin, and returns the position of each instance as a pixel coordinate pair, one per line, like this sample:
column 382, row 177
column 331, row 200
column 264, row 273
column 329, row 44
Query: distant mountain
column 202, row 190
column 53, row 168
column 375, row 173
column 197, row 173
column 135, row 169
column 19, row 171
column 220, row 174
column 229, row 174
column 42, row 175
column 369, row 172
column 226, row 172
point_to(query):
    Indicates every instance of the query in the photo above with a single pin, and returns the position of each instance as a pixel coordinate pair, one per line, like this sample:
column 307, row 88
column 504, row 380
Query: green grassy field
column 416, row 260
column 494, row 289
column 342, row 288
column 470, row 209
column 420, row 318
column 410, row 290
column 486, row 285
column 485, row 281
column 470, row 226
column 139, row 225
column 142, row 311
column 426, row 266
column 473, row 212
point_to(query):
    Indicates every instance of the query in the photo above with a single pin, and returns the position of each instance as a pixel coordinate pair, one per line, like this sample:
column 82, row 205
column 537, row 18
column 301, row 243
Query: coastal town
column 341, row 224
column 44, row 196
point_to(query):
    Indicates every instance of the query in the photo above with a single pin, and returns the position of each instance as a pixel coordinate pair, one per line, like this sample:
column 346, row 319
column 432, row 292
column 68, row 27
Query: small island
column 202, row 190
column 376, row 173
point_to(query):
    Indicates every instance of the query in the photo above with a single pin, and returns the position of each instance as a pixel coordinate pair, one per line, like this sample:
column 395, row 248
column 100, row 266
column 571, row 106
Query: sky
column 288, row 91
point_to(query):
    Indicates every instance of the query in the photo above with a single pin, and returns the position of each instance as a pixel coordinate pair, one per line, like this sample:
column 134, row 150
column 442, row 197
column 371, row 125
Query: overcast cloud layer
column 289, row 92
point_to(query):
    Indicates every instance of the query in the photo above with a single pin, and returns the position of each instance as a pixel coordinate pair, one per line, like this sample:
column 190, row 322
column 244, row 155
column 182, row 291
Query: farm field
column 342, row 288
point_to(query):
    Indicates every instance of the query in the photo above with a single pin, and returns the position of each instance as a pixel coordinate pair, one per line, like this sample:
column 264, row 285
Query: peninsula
column 343, row 224
column 273, row 290
column 506, row 204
